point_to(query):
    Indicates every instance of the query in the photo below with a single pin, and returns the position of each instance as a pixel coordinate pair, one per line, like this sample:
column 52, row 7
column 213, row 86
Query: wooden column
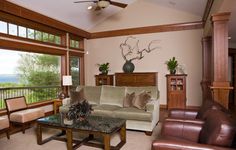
column 206, row 67
column 220, row 84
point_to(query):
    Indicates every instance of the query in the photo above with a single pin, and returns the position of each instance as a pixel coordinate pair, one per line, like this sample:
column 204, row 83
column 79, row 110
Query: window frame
column 33, row 38
column 81, row 65
column 76, row 39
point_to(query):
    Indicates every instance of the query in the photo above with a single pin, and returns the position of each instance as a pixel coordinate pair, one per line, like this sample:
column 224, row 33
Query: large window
column 20, row 31
column 38, row 76
column 35, row 76
column 75, row 41
column 75, row 70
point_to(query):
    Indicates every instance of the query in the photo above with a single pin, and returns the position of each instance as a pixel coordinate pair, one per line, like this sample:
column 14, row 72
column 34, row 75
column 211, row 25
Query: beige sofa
column 108, row 101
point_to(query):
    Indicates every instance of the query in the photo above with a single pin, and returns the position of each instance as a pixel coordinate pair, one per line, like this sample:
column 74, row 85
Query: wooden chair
column 19, row 113
column 4, row 126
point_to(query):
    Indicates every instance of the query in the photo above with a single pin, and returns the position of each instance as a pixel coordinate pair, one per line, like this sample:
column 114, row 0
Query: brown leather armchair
column 216, row 133
column 198, row 114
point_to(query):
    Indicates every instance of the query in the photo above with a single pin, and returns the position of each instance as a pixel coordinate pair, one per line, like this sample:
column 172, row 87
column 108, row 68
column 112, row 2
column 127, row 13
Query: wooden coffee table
column 93, row 125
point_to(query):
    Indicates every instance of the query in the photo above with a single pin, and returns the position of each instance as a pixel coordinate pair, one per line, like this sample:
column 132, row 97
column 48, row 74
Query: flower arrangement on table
column 79, row 111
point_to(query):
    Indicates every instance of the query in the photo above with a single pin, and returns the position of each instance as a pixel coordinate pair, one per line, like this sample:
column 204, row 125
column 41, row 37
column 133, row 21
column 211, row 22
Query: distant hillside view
column 9, row 78
column 28, row 69
column 35, row 76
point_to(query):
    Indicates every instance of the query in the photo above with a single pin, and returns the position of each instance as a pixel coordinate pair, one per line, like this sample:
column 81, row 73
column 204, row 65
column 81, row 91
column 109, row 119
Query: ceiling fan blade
column 86, row 1
column 122, row 5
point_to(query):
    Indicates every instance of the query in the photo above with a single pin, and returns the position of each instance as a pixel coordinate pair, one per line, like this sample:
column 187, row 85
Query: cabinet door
column 176, row 100
column 104, row 80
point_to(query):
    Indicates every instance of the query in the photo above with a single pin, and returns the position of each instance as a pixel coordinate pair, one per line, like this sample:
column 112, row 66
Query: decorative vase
column 128, row 67
column 172, row 71
column 68, row 121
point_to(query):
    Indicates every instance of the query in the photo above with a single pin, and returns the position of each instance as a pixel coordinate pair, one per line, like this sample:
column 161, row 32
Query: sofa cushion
column 76, row 96
column 152, row 90
column 132, row 113
column 141, row 100
column 91, row 93
column 105, row 110
column 65, row 108
column 27, row 115
column 16, row 103
column 128, row 99
column 111, row 95
column 4, row 123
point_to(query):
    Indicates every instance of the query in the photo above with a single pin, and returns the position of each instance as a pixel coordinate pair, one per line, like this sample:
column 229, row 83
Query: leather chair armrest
column 196, row 121
column 164, row 144
column 185, row 130
column 183, row 113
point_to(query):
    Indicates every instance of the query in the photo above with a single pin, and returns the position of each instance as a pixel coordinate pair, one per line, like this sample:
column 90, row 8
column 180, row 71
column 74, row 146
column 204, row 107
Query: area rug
column 136, row 140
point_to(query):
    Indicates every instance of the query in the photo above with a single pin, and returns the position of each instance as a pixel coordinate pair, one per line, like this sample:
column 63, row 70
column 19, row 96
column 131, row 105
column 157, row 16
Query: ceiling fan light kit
column 90, row 7
column 103, row 4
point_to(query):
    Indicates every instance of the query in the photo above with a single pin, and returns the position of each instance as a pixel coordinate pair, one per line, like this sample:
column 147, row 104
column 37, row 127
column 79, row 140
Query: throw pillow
column 127, row 102
column 76, row 96
column 141, row 100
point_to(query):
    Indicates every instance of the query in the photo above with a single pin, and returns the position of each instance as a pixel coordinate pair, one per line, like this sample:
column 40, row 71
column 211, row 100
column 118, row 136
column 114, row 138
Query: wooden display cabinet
column 104, row 80
column 176, row 91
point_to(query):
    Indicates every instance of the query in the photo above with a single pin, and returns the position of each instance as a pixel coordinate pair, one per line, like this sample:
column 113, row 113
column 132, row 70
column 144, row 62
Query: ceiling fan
column 101, row 4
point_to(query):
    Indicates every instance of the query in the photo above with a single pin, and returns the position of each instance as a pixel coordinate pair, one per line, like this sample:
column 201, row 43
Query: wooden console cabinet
column 136, row 79
column 176, row 91
column 104, row 80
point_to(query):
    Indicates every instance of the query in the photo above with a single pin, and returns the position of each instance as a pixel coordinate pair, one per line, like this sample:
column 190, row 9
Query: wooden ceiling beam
column 207, row 11
column 149, row 29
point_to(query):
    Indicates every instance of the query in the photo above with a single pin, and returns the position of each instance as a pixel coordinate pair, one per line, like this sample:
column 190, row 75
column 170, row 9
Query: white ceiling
column 75, row 14
column 79, row 16
column 196, row 7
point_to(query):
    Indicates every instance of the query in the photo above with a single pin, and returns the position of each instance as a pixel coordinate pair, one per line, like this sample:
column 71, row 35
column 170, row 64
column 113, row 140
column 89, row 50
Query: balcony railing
column 32, row 94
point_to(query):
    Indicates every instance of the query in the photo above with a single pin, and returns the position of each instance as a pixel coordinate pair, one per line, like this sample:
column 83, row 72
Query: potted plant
column 172, row 64
column 104, row 68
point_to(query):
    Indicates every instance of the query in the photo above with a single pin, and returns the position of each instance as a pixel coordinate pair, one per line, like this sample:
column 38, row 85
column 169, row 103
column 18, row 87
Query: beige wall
column 184, row 45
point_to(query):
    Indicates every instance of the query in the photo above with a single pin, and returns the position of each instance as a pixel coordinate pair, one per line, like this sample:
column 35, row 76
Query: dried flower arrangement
column 79, row 111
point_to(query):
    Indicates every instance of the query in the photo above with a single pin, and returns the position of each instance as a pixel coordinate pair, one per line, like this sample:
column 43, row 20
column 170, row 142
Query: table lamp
column 66, row 82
